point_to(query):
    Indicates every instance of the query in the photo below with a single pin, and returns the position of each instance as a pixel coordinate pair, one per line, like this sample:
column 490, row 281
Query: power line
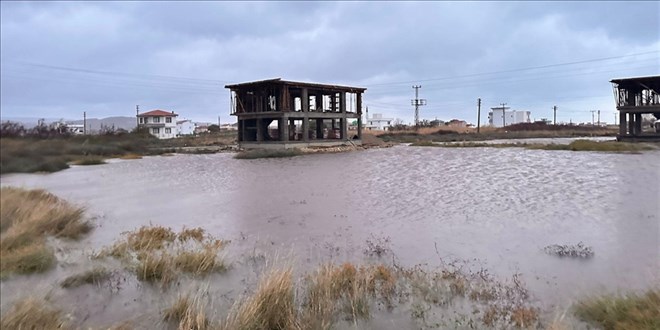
column 523, row 69
column 417, row 102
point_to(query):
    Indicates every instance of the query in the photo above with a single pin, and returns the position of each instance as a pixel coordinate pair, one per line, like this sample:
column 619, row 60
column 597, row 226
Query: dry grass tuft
column 200, row 262
column 26, row 218
column 33, row 258
column 131, row 156
column 188, row 313
column 524, row 317
column 272, row 306
column 32, row 313
column 92, row 276
column 196, row 234
column 622, row 312
column 89, row 160
column 152, row 267
column 150, row 238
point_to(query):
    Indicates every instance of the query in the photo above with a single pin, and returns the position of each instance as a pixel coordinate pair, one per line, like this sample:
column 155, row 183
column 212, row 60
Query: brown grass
column 196, row 234
column 89, row 160
column 200, row 262
column 622, row 312
column 32, row 313
column 26, row 218
column 149, row 238
column 272, row 306
column 92, row 276
column 155, row 267
column 188, row 313
column 131, row 156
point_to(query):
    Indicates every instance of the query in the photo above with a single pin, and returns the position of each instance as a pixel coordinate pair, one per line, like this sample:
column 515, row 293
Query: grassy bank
column 577, row 145
column 28, row 155
column 511, row 132
column 634, row 311
column 27, row 217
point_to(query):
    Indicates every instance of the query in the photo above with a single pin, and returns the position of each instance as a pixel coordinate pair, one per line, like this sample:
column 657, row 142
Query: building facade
column 185, row 127
column 504, row 116
column 377, row 122
column 159, row 123
column 277, row 113
column 635, row 97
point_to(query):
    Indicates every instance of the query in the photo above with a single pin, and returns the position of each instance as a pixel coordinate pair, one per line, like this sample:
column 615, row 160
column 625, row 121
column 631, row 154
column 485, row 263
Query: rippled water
column 498, row 206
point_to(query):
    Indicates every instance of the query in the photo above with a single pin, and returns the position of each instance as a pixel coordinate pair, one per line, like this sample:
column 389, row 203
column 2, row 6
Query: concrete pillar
column 260, row 130
column 292, row 129
column 631, row 124
column 342, row 102
column 359, row 128
column 638, row 123
column 358, row 103
column 305, row 129
column 622, row 123
column 304, row 100
column 319, row 129
column 344, row 128
column 284, row 129
column 240, row 130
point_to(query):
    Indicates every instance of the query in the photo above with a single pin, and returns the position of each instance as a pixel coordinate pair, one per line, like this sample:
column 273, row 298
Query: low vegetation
column 267, row 153
column 157, row 254
column 32, row 313
column 93, row 276
column 187, row 312
column 88, row 160
column 634, row 311
column 27, row 217
column 577, row 145
column 517, row 131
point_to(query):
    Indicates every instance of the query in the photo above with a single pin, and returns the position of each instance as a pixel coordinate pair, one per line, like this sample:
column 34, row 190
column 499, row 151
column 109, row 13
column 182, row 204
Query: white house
column 377, row 122
column 160, row 123
column 76, row 129
column 503, row 116
column 185, row 127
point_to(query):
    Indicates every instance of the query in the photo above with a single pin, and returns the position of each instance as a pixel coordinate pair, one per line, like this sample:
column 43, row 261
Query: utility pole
column 417, row 102
column 478, row 114
column 598, row 117
column 84, row 122
column 615, row 115
column 555, row 115
column 137, row 113
column 503, row 114
column 592, row 117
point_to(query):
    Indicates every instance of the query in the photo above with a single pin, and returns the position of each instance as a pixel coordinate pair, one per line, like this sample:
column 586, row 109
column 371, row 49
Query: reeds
column 32, row 313
column 26, row 218
column 634, row 311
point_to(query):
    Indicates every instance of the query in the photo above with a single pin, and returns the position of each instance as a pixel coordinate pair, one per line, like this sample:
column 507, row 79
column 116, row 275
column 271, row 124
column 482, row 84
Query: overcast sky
column 60, row 59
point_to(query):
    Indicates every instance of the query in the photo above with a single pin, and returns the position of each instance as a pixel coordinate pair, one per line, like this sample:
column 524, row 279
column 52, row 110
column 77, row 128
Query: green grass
column 622, row 312
column 264, row 153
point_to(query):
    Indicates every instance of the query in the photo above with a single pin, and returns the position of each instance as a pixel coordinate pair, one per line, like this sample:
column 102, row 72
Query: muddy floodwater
column 496, row 207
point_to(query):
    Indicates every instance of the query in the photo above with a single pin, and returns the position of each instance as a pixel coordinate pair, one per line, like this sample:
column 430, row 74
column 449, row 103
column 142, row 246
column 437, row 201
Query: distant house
column 503, row 116
column 160, row 123
column 185, row 127
column 201, row 128
column 456, row 123
column 75, row 129
column 229, row 127
column 377, row 122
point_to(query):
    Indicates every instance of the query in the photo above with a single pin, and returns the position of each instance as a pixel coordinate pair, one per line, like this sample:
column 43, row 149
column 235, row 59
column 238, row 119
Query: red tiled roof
column 157, row 113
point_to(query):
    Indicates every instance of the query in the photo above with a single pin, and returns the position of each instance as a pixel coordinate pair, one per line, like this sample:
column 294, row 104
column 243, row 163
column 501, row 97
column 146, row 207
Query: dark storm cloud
column 132, row 51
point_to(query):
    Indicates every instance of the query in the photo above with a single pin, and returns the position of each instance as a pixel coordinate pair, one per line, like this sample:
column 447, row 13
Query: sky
column 60, row 59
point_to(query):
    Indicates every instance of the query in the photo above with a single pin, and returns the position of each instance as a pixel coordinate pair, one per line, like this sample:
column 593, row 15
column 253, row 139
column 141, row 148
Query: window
column 156, row 119
column 168, row 130
column 141, row 120
column 168, row 120
column 155, row 130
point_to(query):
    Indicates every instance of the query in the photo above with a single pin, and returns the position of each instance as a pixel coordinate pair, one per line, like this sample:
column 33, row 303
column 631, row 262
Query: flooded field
column 492, row 208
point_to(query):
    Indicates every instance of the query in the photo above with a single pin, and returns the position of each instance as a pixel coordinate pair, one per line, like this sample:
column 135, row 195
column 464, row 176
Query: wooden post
column 304, row 100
